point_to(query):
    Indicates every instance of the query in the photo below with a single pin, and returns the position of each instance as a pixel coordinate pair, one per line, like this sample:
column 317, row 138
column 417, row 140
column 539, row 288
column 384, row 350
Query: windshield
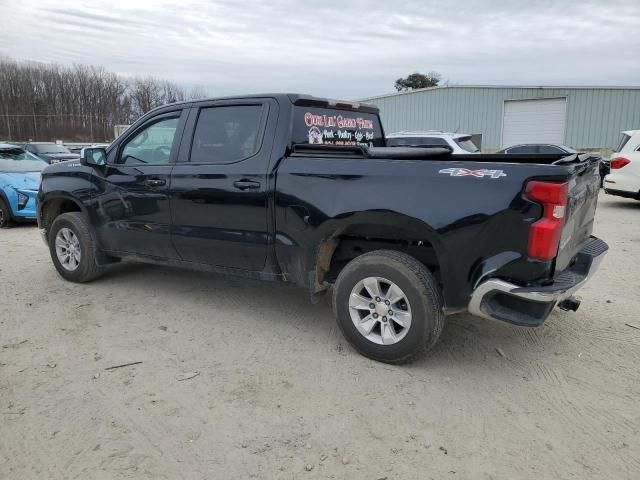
column 465, row 143
column 16, row 160
column 50, row 148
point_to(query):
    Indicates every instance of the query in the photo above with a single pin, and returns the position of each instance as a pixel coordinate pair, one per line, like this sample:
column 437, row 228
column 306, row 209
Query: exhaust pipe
column 571, row 303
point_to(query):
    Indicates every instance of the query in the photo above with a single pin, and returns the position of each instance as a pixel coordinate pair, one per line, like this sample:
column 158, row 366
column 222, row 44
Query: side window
column 550, row 149
column 524, row 149
column 227, row 134
column 415, row 141
column 434, row 141
column 152, row 145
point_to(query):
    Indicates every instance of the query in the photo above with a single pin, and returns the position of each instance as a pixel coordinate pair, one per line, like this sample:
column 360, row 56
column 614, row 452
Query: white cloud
column 343, row 48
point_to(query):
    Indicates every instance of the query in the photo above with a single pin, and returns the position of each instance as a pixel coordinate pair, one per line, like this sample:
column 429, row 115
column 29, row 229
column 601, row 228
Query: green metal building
column 582, row 117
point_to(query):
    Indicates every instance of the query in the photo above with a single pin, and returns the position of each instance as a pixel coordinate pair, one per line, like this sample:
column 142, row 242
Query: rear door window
column 327, row 126
column 227, row 134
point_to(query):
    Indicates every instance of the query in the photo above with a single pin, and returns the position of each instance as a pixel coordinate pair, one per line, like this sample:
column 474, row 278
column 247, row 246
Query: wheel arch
column 4, row 199
column 394, row 232
column 54, row 206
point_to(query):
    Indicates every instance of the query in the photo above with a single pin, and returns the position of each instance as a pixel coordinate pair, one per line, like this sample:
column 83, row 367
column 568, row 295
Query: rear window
column 415, row 141
column 623, row 142
column 465, row 143
column 50, row 148
column 325, row 126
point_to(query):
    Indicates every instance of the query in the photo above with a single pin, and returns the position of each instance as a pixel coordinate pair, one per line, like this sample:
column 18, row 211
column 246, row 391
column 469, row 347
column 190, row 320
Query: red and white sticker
column 465, row 172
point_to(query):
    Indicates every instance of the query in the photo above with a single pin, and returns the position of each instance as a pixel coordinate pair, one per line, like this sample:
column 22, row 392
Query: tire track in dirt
column 147, row 433
column 575, row 416
column 36, row 455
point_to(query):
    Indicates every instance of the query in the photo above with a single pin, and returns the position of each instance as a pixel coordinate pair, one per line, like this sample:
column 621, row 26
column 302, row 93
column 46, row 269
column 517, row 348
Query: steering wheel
column 161, row 153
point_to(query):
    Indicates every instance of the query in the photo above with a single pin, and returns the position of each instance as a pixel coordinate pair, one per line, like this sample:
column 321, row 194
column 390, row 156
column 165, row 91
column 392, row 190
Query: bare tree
column 77, row 103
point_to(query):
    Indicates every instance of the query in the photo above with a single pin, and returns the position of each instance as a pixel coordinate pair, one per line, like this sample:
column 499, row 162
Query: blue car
column 19, row 182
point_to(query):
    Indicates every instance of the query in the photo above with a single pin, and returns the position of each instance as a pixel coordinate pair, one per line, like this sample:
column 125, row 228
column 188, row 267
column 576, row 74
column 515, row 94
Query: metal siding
column 595, row 117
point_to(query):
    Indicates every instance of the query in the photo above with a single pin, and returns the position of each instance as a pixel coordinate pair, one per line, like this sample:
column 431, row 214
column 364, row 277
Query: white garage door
column 534, row 121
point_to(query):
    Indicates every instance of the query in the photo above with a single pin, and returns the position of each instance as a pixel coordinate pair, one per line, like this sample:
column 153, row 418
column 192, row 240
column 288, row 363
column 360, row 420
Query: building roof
column 548, row 87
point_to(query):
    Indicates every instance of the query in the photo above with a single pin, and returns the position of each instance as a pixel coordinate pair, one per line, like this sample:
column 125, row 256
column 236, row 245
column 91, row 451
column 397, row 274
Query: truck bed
column 467, row 210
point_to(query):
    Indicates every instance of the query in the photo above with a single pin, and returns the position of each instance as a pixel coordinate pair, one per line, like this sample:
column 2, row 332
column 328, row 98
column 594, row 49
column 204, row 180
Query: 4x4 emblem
column 465, row 172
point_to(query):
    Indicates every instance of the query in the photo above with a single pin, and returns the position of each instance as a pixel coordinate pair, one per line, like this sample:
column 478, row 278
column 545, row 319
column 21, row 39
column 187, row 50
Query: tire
column 87, row 268
column 6, row 219
column 422, row 301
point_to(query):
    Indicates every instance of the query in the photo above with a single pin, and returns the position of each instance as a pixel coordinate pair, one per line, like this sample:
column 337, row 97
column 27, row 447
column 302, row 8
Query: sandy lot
column 279, row 391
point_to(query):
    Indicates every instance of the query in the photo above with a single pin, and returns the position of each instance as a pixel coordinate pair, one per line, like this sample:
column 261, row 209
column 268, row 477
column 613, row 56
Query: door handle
column 246, row 184
column 155, row 182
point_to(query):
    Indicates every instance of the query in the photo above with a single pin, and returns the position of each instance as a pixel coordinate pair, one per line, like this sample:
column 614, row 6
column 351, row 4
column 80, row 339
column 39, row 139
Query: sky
column 341, row 49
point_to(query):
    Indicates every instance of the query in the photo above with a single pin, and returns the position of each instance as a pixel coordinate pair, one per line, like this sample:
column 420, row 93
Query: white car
column 460, row 143
column 624, row 179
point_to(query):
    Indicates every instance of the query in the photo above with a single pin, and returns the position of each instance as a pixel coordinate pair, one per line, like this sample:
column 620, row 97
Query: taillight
column 619, row 162
column 544, row 234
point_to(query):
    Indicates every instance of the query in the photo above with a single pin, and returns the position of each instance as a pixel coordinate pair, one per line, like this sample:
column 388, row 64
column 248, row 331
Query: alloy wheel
column 380, row 310
column 68, row 249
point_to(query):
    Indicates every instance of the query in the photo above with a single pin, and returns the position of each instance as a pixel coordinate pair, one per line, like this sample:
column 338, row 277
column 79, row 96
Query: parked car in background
column 552, row 149
column 49, row 152
column 19, row 182
column 77, row 147
column 539, row 148
column 460, row 143
column 624, row 179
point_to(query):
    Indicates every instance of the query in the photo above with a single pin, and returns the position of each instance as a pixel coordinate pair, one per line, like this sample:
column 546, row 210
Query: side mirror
column 93, row 156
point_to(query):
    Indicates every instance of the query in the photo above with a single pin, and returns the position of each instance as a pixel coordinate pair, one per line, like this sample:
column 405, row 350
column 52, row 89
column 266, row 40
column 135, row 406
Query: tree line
column 79, row 103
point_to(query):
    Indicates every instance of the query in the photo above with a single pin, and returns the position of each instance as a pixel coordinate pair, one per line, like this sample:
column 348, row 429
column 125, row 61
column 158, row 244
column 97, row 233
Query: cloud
column 348, row 49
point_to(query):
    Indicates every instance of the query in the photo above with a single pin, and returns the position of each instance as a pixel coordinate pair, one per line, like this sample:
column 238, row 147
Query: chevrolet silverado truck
column 304, row 190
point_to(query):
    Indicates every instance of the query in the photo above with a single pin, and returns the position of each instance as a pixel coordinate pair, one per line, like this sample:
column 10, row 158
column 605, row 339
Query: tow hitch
column 571, row 303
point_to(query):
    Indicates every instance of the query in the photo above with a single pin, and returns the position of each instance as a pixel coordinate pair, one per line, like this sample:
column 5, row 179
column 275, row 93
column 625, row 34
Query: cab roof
column 294, row 98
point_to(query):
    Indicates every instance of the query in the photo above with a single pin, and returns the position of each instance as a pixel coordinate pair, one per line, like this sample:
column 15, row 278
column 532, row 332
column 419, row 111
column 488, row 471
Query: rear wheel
column 73, row 249
column 388, row 306
column 5, row 215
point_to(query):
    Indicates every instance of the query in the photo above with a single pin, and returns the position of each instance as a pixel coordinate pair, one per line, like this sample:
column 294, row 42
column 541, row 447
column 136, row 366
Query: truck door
column 219, row 190
column 132, row 205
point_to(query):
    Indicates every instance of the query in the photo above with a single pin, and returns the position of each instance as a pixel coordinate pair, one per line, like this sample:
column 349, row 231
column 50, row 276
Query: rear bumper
column 530, row 306
column 621, row 193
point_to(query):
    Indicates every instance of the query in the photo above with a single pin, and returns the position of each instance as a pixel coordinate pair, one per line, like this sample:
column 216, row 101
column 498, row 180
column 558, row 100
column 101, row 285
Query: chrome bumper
column 498, row 299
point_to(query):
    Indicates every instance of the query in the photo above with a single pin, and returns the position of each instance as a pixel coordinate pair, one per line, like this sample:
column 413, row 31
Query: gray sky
column 348, row 49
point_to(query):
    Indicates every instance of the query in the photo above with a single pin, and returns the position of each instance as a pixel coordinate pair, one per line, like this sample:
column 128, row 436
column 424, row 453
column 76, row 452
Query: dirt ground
column 279, row 393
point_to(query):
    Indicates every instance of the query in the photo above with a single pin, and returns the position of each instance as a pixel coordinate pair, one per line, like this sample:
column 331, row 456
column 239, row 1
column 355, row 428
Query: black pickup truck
column 301, row 189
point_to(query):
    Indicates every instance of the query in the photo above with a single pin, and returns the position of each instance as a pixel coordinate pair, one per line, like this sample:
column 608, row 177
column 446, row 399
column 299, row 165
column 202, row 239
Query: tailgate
column 584, row 186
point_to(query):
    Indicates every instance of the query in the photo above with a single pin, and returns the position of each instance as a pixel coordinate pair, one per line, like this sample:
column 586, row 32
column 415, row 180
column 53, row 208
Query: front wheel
column 388, row 306
column 5, row 215
column 73, row 249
